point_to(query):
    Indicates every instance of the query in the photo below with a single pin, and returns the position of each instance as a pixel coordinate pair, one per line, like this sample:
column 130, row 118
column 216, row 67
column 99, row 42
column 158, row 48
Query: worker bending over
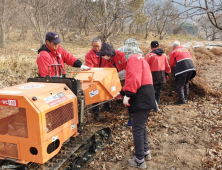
column 139, row 97
column 114, row 58
column 184, row 70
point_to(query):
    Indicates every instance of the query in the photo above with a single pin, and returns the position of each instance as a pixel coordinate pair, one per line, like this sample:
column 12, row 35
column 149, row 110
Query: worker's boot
column 135, row 163
column 179, row 102
column 130, row 122
column 147, row 156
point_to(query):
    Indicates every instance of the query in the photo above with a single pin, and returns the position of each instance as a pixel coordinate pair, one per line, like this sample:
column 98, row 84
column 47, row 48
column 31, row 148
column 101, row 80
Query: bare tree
column 66, row 23
column 43, row 13
column 211, row 32
column 107, row 16
column 138, row 17
column 8, row 9
column 81, row 10
column 212, row 8
column 148, row 11
column 138, row 20
column 23, row 33
column 163, row 17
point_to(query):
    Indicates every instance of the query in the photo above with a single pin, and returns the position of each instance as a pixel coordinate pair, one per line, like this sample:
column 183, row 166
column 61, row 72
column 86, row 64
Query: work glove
column 118, row 96
column 167, row 78
column 126, row 101
column 83, row 67
column 122, row 74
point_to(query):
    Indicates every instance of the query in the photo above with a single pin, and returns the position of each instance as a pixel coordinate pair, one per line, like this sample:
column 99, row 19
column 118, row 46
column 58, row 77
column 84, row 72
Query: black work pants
column 140, row 133
column 182, row 85
column 158, row 91
column 96, row 108
column 106, row 105
column 130, row 113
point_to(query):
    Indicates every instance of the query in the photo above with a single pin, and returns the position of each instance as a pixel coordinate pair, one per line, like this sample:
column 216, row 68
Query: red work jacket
column 93, row 60
column 139, row 84
column 180, row 60
column 137, row 73
column 118, row 60
column 158, row 63
column 159, row 67
column 178, row 54
column 47, row 57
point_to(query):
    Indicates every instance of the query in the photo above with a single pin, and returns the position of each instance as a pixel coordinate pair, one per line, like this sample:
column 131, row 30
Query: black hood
column 43, row 48
column 158, row 51
column 107, row 49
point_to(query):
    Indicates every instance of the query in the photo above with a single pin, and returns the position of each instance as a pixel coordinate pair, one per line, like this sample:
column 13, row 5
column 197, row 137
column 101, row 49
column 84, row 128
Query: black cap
column 154, row 44
column 53, row 36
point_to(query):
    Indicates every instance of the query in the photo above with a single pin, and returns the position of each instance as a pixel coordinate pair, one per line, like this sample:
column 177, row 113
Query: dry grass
column 16, row 70
column 216, row 51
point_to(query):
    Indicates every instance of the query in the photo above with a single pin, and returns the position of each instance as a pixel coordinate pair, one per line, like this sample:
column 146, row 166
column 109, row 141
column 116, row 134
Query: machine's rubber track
column 78, row 151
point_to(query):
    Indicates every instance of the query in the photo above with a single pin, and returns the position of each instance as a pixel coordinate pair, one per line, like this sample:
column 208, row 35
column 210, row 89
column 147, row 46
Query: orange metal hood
column 30, row 89
column 99, row 84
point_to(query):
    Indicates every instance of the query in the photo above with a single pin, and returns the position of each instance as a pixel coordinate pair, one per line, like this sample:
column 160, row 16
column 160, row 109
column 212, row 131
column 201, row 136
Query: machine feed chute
column 99, row 84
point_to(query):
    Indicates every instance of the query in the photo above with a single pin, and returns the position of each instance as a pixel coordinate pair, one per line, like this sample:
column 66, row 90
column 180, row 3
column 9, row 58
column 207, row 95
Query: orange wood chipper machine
column 40, row 121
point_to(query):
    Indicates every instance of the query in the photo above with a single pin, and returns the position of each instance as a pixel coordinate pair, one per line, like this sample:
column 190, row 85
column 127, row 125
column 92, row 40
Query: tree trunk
column 130, row 28
column 104, row 38
column 41, row 41
column 147, row 30
column 137, row 29
column 147, row 34
column 122, row 26
column 86, row 31
column 161, row 36
column 2, row 40
column 86, row 28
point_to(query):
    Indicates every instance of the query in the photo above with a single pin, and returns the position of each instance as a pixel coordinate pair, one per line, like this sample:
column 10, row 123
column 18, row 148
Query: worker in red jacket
column 139, row 96
column 114, row 58
column 52, row 53
column 93, row 58
column 184, row 70
column 131, row 46
column 159, row 67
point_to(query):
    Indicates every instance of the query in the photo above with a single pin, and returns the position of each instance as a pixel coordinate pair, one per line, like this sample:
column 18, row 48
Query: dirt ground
column 180, row 137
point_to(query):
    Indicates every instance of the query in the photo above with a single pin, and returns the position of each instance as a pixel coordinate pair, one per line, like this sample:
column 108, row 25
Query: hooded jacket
column 159, row 65
column 94, row 60
column 117, row 60
column 139, row 84
column 47, row 57
column 180, row 59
